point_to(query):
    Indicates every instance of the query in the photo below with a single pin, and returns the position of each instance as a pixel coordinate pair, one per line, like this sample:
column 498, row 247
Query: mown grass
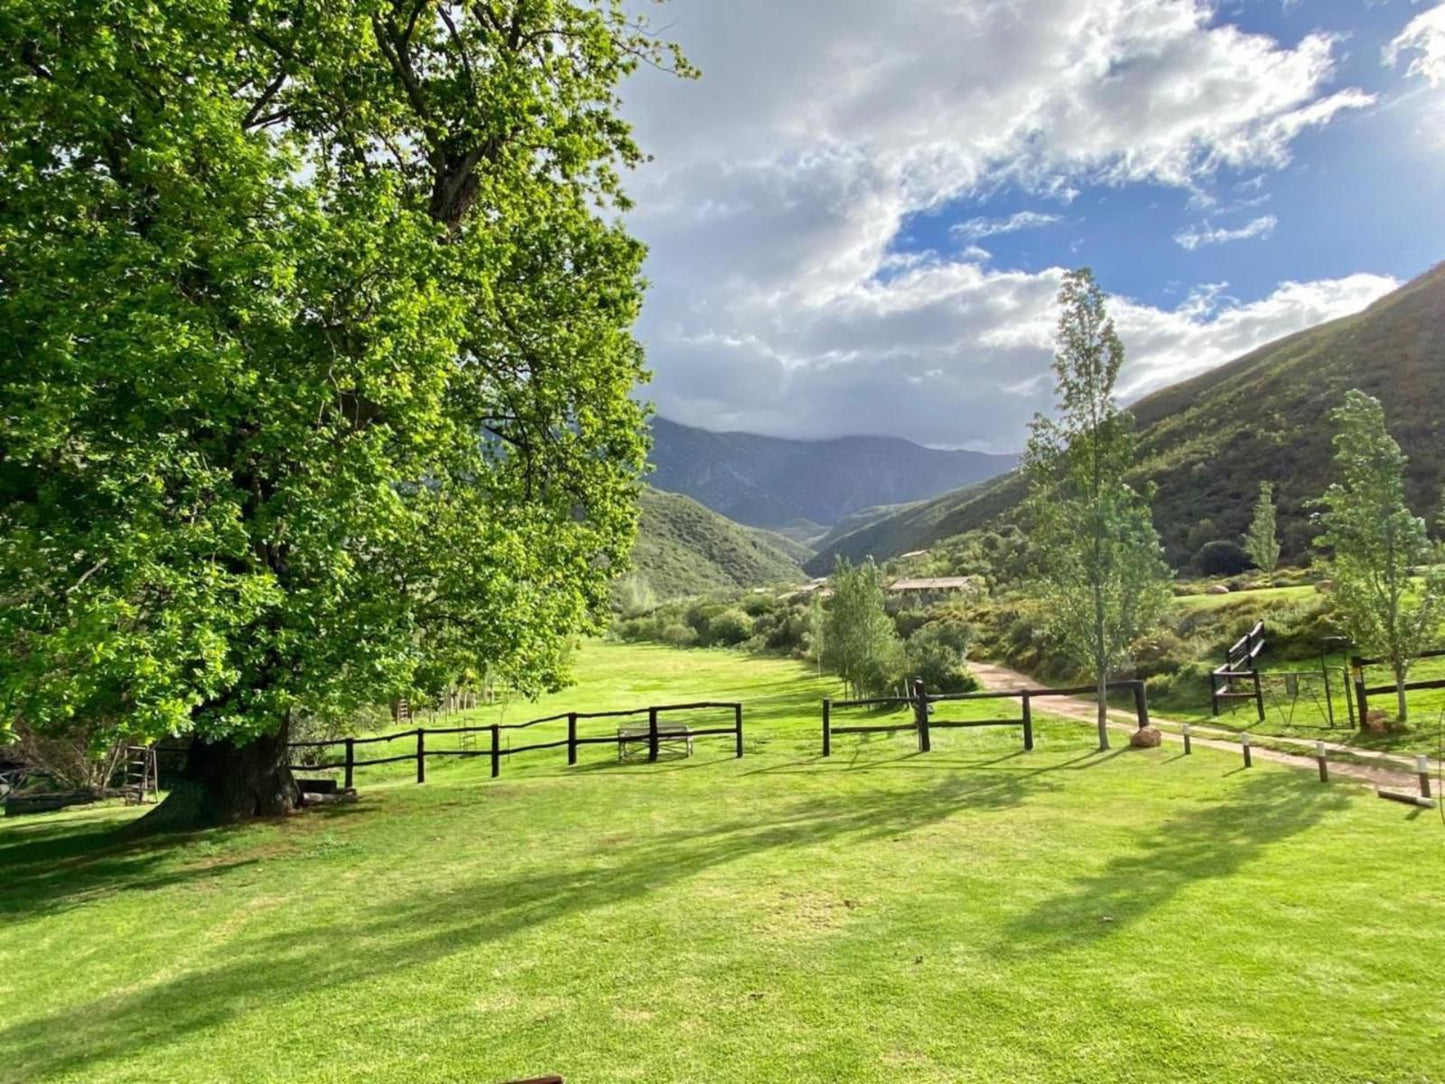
column 974, row 914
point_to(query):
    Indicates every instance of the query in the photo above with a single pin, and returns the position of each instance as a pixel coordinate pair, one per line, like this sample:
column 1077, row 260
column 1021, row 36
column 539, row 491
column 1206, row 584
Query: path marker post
column 1244, row 744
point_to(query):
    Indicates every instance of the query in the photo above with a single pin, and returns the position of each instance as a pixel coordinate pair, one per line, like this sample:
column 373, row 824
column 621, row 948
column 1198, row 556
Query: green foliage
column 1377, row 543
column 860, row 643
column 1221, row 557
column 268, row 273
column 685, row 549
column 730, row 628
column 1261, row 541
column 935, row 653
column 1103, row 579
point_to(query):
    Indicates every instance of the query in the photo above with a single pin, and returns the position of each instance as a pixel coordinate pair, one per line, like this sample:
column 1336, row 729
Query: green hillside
column 685, row 549
column 1208, row 442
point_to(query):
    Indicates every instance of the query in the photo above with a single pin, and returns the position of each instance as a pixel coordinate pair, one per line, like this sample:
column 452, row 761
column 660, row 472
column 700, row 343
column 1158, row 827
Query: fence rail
column 1241, row 664
column 922, row 702
column 1363, row 692
column 653, row 737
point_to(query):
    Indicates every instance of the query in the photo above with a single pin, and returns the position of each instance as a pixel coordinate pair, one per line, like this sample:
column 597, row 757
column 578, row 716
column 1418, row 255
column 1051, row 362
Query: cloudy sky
column 859, row 215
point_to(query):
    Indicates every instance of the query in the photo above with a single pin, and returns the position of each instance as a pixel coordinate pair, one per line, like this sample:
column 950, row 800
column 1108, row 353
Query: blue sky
column 859, row 215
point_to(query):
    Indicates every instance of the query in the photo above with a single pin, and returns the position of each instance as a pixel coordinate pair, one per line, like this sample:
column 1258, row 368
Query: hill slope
column 685, row 549
column 770, row 482
column 1207, row 443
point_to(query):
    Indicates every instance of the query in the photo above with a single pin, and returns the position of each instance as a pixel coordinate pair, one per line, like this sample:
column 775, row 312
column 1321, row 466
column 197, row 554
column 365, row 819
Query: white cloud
column 782, row 180
column 1204, row 234
column 978, row 228
column 1423, row 36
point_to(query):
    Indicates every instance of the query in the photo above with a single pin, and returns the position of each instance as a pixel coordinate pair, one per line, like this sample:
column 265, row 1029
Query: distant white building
column 928, row 589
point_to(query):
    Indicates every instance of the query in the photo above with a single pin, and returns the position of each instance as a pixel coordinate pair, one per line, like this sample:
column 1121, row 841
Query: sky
column 859, row 215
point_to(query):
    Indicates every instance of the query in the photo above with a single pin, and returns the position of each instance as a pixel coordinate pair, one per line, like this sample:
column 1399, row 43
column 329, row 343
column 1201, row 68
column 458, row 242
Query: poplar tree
column 860, row 642
column 1261, row 541
column 1102, row 575
column 1388, row 587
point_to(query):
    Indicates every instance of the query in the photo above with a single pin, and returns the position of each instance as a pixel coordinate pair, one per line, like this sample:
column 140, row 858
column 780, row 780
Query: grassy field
column 974, row 914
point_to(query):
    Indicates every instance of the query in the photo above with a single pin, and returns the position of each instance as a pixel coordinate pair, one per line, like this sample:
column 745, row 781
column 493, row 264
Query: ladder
column 142, row 779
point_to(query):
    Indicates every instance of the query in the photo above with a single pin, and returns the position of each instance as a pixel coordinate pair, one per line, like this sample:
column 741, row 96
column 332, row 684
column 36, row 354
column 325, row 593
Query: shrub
column 729, row 628
column 679, row 635
column 1222, row 558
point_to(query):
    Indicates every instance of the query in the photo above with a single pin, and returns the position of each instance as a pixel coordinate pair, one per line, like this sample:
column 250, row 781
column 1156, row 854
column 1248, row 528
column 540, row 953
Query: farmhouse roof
column 934, row 583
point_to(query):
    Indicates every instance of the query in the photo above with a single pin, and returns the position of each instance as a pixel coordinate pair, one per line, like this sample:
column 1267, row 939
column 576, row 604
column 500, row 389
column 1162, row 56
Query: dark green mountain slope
column 685, row 549
column 769, row 482
column 1208, row 442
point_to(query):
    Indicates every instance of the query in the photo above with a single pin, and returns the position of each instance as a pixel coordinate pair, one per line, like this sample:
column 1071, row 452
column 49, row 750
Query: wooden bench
column 673, row 738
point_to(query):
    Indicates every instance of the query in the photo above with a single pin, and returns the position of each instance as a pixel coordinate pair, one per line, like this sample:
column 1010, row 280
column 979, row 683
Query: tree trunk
column 1401, row 673
column 1103, row 696
column 225, row 783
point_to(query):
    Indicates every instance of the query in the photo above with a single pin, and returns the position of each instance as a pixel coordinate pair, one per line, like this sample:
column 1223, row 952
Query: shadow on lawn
column 389, row 935
column 1203, row 844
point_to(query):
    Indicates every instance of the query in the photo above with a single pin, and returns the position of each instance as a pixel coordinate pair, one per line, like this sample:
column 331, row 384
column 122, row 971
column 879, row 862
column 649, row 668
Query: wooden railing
column 1241, row 664
column 921, row 702
column 653, row 737
column 1363, row 692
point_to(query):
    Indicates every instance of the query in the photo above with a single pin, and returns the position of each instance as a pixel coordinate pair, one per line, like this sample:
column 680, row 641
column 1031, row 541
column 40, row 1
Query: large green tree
column 316, row 359
column 1102, row 575
column 1388, row 585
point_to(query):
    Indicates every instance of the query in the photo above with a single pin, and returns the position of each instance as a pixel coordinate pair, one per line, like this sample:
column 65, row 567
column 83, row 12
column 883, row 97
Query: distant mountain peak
column 775, row 481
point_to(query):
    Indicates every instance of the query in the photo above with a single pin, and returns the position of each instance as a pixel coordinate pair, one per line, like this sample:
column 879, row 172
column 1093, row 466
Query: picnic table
column 672, row 737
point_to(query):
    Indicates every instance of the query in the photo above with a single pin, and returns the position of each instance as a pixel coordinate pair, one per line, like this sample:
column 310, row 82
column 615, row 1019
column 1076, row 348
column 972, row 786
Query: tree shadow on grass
column 269, row 966
column 1208, row 843
column 53, row 867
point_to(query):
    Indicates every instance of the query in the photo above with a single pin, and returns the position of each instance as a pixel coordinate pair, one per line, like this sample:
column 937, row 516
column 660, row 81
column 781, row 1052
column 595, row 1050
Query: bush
column 678, row 635
column 1222, row 558
column 729, row 628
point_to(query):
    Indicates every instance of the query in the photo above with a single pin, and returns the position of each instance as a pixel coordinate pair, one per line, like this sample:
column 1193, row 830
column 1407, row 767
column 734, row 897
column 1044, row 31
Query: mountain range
column 1207, row 443
column 804, row 487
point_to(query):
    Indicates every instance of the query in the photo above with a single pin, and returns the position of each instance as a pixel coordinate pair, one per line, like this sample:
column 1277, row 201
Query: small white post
column 1422, row 768
column 1324, row 763
column 1244, row 744
column 1186, row 732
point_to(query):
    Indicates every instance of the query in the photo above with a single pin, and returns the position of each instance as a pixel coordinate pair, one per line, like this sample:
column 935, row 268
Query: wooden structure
column 655, row 734
column 1238, row 677
column 672, row 738
column 1363, row 692
column 141, row 784
column 922, row 704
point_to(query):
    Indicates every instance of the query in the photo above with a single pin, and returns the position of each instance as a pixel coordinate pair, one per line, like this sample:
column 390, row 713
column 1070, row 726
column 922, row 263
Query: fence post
column 350, row 761
column 920, row 715
column 651, row 734
column 1185, row 731
column 1323, row 762
column 827, row 734
column 1357, row 673
column 571, row 738
column 496, row 750
column 1028, row 724
column 738, row 726
column 1422, row 769
column 1258, row 692
column 1244, row 744
column 1141, row 704
column 1213, row 693
column 421, row 754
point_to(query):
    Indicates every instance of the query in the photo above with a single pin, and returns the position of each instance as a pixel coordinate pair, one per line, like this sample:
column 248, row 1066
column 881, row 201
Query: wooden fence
column 653, row 737
column 1241, row 664
column 921, row 702
column 1363, row 692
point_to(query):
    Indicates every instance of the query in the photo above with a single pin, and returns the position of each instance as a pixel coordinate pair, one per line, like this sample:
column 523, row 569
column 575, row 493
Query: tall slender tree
column 860, row 642
column 1102, row 574
column 1388, row 586
column 1261, row 541
column 315, row 341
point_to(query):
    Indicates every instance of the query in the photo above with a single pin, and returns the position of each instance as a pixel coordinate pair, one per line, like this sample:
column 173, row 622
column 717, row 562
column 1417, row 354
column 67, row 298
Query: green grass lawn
column 974, row 914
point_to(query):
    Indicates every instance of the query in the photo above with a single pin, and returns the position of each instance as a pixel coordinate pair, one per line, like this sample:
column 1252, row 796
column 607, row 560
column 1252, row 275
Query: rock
column 1377, row 722
column 1217, row 589
column 1146, row 738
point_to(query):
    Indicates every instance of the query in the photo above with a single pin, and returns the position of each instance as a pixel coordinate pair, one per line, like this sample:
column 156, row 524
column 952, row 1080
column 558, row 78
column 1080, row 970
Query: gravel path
column 1385, row 769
